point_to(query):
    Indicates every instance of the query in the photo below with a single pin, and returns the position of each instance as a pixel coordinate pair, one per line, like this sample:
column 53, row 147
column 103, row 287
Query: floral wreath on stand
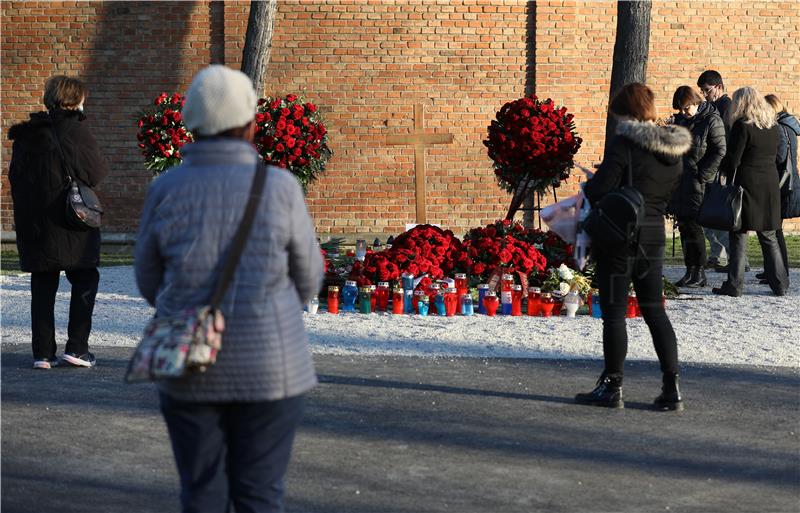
column 162, row 133
column 532, row 144
column 291, row 133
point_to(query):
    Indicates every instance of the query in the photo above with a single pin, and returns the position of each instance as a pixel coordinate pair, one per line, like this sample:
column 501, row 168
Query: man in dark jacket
column 46, row 244
column 712, row 87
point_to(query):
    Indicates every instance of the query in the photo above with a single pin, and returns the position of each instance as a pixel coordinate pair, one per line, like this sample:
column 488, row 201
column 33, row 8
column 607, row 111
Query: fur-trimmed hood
column 668, row 143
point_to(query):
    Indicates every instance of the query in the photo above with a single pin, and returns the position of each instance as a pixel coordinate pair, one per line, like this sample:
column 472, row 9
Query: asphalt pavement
column 410, row 434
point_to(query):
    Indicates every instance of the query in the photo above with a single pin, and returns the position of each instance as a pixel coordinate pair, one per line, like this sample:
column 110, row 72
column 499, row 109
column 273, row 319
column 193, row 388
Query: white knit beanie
column 219, row 99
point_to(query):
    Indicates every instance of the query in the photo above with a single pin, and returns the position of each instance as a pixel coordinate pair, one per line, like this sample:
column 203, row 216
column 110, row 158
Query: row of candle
column 448, row 302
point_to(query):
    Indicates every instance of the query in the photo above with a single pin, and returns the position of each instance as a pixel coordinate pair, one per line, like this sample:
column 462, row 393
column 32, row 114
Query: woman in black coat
column 700, row 166
column 45, row 243
column 653, row 154
column 750, row 163
column 786, row 161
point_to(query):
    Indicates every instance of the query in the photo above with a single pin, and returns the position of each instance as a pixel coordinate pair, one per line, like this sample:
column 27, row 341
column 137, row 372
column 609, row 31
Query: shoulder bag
column 83, row 209
column 721, row 208
column 789, row 183
column 188, row 342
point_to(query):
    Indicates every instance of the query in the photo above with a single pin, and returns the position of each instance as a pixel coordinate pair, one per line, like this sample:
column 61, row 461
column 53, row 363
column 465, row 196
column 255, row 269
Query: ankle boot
column 686, row 277
column 698, row 278
column 607, row 393
column 670, row 398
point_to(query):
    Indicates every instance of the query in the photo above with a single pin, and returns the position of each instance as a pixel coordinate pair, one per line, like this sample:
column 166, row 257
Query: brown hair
column 776, row 103
column 634, row 100
column 62, row 92
column 685, row 96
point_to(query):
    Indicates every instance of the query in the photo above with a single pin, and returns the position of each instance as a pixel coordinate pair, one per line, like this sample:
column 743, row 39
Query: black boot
column 686, row 277
column 670, row 398
column 698, row 278
column 607, row 393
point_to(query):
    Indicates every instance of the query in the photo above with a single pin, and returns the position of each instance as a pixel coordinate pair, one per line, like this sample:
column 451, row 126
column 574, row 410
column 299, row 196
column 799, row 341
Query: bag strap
column 64, row 165
column 630, row 166
column 240, row 237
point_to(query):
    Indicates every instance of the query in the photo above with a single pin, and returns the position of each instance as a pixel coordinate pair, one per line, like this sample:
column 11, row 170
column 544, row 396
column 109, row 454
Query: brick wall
column 367, row 64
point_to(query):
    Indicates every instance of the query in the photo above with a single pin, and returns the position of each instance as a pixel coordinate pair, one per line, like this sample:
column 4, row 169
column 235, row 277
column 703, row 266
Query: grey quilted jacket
column 188, row 221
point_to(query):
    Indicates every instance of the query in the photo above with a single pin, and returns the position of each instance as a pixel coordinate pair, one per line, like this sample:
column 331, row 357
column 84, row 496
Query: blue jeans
column 232, row 454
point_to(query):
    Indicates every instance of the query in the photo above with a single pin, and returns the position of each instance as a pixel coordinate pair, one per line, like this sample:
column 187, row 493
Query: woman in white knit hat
column 232, row 427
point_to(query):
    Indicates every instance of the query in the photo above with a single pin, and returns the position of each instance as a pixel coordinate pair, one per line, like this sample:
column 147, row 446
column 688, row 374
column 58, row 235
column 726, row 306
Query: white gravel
column 757, row 328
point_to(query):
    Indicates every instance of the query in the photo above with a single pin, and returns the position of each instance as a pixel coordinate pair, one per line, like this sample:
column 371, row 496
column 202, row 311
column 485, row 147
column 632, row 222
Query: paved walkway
column 408, row 434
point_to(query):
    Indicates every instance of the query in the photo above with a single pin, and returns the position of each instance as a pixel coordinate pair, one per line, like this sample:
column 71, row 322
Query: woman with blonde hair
column 786, row 162
column 750, row 163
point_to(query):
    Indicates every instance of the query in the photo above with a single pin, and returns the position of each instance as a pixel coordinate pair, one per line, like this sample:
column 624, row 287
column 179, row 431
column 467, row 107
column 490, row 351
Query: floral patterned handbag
column 177, row 345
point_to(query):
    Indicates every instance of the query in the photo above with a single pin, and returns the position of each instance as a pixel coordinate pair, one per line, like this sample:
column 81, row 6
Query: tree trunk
column 258, row 42
column 630, row 51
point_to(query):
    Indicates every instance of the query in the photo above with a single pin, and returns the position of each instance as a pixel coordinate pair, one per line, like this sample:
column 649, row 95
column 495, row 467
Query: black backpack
column 789, row 183
column 615, row 220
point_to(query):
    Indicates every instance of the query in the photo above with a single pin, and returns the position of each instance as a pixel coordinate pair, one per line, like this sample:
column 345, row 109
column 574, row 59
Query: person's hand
column 588, row 172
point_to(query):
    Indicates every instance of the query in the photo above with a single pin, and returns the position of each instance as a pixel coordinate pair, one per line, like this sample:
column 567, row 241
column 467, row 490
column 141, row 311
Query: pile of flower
column 423, row 250
column 555, row 249
column 499, row 247
column 561, row 279
column 532, row 142
column 162, row 134
column 291, row 134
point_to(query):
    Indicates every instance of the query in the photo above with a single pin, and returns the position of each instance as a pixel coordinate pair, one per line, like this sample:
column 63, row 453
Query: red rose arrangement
column 532, row 144
column 291, row 134
column 423, row 250
column 498, row 247
column 555, row 249
column 162, row 134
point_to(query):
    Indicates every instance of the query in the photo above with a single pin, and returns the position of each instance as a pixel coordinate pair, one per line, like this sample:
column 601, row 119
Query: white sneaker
column 84, row 360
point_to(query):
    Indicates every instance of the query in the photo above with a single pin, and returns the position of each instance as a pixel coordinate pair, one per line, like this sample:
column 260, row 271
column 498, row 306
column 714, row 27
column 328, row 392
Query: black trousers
column 784, row 252
column 615, row 271
column 774, row 267
column 44, row 286
column 232, row 454
column 693, row 241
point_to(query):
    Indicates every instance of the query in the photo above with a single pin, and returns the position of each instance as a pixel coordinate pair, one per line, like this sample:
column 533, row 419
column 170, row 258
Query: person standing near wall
column 713, row 89
column 232, row 427
column 700, row 166
column 47, row 245
column 653, row 155
column 786, row 159
column 750, row 163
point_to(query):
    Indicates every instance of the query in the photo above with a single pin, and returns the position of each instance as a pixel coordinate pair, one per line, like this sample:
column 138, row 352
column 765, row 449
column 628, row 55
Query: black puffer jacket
column 701, row 163
column 44, row 241
column 654, row 154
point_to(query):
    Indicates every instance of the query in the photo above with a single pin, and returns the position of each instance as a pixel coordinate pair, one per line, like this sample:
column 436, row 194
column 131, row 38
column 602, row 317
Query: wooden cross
column 419, row 139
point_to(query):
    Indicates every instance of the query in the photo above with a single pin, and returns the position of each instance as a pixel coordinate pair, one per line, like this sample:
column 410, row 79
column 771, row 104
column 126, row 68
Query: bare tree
column 258, row 42
column 631, row 50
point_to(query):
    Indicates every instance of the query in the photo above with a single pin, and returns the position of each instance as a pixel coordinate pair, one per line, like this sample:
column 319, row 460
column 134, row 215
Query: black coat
column 701, row 162
column 38, row 189
column 751, row 162
column 787, row 150
column 656, row 160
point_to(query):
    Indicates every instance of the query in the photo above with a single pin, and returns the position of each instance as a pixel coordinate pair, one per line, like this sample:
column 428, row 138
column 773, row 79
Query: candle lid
column 517, row 287
column 483, row 286
column 460, row 276
column 419, row 293
column 398, row 289
column 333, row 288
column 535, row 290
column 491, row 293
column 434, row 286
column 372, row 287
column 349, row 283
column 546, row 295
column 452, row 290
column 383, row 284
column 508, row 276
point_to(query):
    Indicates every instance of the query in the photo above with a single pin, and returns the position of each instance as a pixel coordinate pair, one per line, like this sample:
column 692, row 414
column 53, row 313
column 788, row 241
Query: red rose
column 290, row 98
